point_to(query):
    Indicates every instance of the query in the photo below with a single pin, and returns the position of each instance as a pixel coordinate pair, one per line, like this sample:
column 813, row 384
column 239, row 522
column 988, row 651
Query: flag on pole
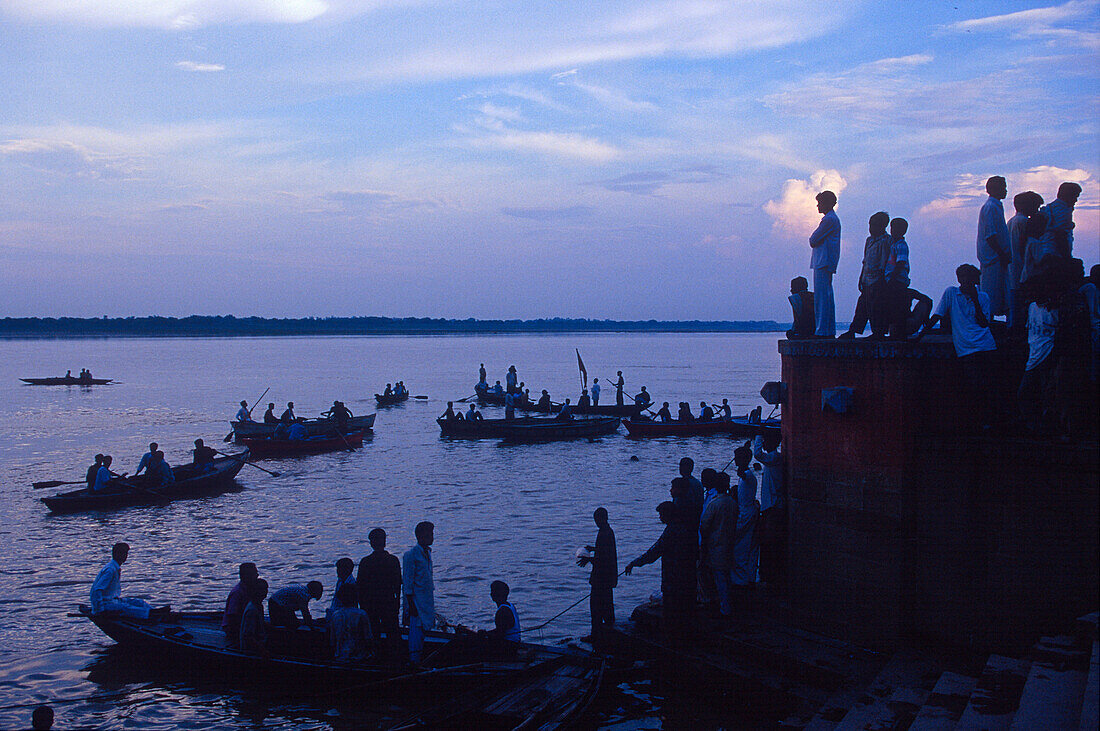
column 584, row 373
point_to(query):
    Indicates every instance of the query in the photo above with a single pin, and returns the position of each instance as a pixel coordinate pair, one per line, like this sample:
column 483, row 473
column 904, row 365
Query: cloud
column 968, row 189
column 549, row 214
column 609, row 98
column 1040, row 23
column 60, row 157
column 170, row 14
column 552, row 144
column 795, row 213
column 650, row 182
column 193, row 66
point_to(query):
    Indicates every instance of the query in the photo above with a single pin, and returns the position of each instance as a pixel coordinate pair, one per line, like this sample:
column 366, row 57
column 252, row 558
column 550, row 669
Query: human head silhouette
column 997, row 187
column 826, row 201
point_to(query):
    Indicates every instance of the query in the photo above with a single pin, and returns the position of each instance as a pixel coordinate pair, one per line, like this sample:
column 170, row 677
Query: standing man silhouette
column 825, row 245
column 994, row 249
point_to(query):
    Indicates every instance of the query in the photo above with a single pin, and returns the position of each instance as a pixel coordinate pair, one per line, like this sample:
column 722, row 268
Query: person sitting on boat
column 147, row 458
column 297, row 431
column 510, row 405
column 449, row 414
column 238, row 599
column 104, row 475
column 684, row 414
column 160, row 472
column 664, row 414
column 497, row 388
column 243, row 414
column 754, row 415
column 512, row 379
column 253, row 633
column 584, row 400
column 725, row 410
column 90, row 476
column 706, row 413
column 595, row 392
column 505, row 634
column 473, row 414
column 269, row 415
column 288, row 416
column 107, row 588
column 349, row 630
column 284, row 605
column 566, row 412
column 344, row 568
column 68, row 374
column 544, row 401
column 341, row 414
column 203, row 460
column 388, row 391
column 643, row 398
column 526, row 396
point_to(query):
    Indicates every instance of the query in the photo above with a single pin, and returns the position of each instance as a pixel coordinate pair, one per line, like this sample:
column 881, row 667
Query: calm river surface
column 515, row 513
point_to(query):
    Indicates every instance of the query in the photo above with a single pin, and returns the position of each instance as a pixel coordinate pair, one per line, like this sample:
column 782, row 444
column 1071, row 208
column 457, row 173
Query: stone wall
column 908, row 521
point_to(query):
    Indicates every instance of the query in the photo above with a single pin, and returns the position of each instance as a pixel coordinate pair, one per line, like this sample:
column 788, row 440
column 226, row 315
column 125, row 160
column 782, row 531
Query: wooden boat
column 531, row 687
column 393, row 398
column 653, row 428
column 269, row 446
column 314, row 427
column 66, row 381
column 553, row 429
column 488, row 398
column 134, row 491
column 484, row 428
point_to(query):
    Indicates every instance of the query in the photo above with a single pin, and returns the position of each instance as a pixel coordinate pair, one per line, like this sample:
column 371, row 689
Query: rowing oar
column 422, row 398
column 464, row 400
column 55, row 483
column 250, row 464
column 228, row 437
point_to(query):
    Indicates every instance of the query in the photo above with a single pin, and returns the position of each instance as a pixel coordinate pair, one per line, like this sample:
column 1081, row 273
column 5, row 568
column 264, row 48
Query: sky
column 439, row 158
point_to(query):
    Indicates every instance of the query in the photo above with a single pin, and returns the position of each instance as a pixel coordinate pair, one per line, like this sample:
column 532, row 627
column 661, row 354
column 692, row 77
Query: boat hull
column 269, row 447
column 314, row 427
column 63, row 381
column 122, row 493
column 483, row 429
column 384, row 400
column 626, row 410
column 738, row 426
column 553, row 429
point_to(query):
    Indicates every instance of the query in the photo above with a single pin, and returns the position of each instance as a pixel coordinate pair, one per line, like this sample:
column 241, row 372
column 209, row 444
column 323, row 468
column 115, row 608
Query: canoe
column 462, row 684
column 552, row 429
column 66, row 381
column 483, row 429
column 133, row 491
column 653, row 428
column 269, row 446
column 314, row 427
column 488, row 398
column 384, row 400
column 740, row 426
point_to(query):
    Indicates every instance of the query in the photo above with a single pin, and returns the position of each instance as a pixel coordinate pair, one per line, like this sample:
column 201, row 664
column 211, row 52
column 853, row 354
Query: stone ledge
column 937, row 347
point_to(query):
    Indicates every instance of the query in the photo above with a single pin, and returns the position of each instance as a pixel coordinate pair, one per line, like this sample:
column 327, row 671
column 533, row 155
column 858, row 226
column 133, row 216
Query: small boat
column 133, row 491
column 462, row 684
column 314, row 427
column 553, row 429
column 483, row 428
column 742, row 426
column 66, row 381
column 269, row 446
column 488, row 398
column 653, row 428
column 393, row 398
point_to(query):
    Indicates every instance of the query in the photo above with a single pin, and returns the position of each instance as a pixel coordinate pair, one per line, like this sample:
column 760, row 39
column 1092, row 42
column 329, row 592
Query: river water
column 517, row 513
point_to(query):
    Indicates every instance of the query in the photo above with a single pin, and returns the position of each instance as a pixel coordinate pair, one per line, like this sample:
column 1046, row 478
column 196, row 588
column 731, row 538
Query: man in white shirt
column 994, row 252
column 147, row 458
column 243, row 414
column 773, row 508
column 418, row 588
column 107, row 588
column 104, row 474
column 825, row 243
column 595, row 392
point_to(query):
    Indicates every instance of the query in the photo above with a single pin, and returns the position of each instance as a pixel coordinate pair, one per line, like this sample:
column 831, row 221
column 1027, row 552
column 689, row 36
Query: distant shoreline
column 203, row 326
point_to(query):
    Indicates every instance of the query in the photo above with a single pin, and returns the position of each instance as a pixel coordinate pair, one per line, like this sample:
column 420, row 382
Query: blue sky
column 627, row 160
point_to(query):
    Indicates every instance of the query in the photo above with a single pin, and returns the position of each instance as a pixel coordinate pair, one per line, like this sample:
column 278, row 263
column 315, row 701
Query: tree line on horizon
column 229, row 326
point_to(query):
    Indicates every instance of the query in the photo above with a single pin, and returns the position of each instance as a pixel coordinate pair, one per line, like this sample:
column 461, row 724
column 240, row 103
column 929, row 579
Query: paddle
column 229, row 437
column 464, row 400
column 250, row 464
column 55, row 483
column 421, row 398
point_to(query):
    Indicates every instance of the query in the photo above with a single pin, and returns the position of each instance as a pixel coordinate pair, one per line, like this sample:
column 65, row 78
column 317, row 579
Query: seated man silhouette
column 802, row 306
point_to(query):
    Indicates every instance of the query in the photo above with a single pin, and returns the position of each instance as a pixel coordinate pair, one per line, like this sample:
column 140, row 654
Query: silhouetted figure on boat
column 802, row 308
column 497, row 388
column 643, row 399
column 238, row 599
column 510, row 405
column 876, row 250
column 584, row 400
column 449, row 414
column 378, row 583
column 595, row 392
column 481, row 375
column 160, row 472
column 418, row 588
column 90, row 476
column 147, row 459
column 340, row 414
column 288, row 416
column 725, row 410
column 348, row 627
column 269, row 415
column 544, row 401
column 344, row 568
column 663, row 413
column 253, row 634
column 473, row 414
column 678, row 550
column 684, row 415
column 68, row 374
column 202, row 457
column 604, row 577
column 511, row 378
column 243, row 414
column 825, row 246
column 284, row 605
column 706, row 413
column 619, row 384
column 566, row 412
column 106, row 593
column 104, row 475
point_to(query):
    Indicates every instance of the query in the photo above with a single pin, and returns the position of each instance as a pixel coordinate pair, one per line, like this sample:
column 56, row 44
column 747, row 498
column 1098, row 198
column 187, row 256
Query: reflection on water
column 517, row 514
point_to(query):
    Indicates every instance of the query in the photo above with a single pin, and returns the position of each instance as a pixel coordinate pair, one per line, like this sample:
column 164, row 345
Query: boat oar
column 250, row 464
column 464, row 400
column 229, row 437
column 421, row 398
column 55, row 483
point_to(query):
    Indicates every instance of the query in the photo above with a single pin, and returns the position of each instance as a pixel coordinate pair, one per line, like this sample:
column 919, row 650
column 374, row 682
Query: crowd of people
column 516, row 395
column 1026, row 273
column 157, row 471
column 290, row 426
column 395, row 389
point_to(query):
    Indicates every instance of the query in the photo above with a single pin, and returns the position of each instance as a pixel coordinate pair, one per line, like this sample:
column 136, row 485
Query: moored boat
column 135, row 491
column 66, row 381
column 391, row 399
column 653, row 428
column 531, row 686
column 488, row 398
column 269, row 446
column 743, row 426
column 482, row 428
column 314, row 427
column 553, row 429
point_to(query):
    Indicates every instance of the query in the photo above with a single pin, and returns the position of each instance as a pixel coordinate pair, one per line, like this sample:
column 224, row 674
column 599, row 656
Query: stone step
column 946, row 704
column 1090, row 713
column 996, row 695
column 1055, row 687
column 894, row 697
